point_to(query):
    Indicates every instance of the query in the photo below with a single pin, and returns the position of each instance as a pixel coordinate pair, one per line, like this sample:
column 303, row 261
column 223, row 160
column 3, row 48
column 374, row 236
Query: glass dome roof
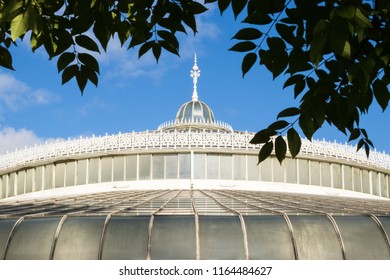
column 195, row 111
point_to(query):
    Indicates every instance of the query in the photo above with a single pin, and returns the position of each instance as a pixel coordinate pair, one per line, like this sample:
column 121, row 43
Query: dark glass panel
column 126, row 238
column 269, row 238
column 173, row 237
column 221, row 237
column 33, row 239
column 79, row 238
column 316, row 238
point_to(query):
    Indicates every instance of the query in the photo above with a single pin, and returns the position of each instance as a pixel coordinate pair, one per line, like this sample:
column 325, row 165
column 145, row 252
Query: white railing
column 174, row 139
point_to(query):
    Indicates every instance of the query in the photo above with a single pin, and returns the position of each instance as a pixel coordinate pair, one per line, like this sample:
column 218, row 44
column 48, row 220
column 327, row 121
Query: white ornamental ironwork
column 111, row 144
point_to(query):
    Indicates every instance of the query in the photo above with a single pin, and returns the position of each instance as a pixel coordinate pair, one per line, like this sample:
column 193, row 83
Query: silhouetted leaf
column 265, row 151
column 289, row 112
column 280, row 149
column 245, row 46
column 260, row 137
column 87, row 43
column 64, row 60
column 238, row 6
column 247, row 63
column 248, row 34
column 294, row 142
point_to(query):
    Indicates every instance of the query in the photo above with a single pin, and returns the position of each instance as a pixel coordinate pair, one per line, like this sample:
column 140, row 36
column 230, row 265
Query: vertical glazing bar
column 245, row 236
column 290, row 228
column 10, row 236
column 336, row 228
column 100, row 252
column 149, row 249
column 378, row 222
column 56, row 236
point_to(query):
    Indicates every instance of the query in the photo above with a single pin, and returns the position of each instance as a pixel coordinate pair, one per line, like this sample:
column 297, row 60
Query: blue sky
column 136, row 95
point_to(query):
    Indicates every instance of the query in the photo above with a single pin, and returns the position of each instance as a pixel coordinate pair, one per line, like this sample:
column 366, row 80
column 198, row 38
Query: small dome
column 195, row 111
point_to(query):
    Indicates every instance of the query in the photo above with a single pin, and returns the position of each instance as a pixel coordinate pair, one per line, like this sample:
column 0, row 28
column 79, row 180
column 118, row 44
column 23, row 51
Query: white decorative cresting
column 195, row 73
column 160, row 139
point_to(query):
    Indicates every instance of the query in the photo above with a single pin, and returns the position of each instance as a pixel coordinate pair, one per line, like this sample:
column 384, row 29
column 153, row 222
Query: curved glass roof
column 198, row 224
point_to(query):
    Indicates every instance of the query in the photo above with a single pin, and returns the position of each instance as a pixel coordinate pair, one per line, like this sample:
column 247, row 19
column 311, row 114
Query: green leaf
column 248, row 34
column 245, row 46
column 265, row 151
column 64, row 60
column 280, row 149
column 345, row 11
column 69, row 73
column 87, row 43
column 294, row 142
column 238, row 6
column 260, row 137
column 19, row 25
column 361, row 19
column 247, row 63
column 5, row 58
column 381, row 93
column 89, row 61
column 289, row 112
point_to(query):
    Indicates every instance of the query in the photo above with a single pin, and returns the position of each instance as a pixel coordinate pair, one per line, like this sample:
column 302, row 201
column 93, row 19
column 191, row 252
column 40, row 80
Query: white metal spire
column 195, row 73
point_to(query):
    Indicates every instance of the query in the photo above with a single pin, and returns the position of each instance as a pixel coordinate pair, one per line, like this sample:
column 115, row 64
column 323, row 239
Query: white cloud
column 16, row 94
column 11, row 139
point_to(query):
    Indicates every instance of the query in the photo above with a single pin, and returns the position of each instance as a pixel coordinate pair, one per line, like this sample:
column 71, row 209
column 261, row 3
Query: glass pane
column 184, row 166
column 291, row 170
column 60, row 175
column 81, row 172
column 383, row 185
column 171, row 166
column 48, row 184
column 126, row 238
column 70, row 173
column 316, row 238
column 278, row 170
column 253, row 168
column 212, row 166
column 144, row 167
column 6, row 226
column 38, row 178
column 337, row 176
column 158, row 166
column 119, row 168
column 29, row 180
column 348, row 178
column 93, row 170
column 21, row 180
column 106, row 169
column 2, row 187
column 325, row 175
column 239, row 167
column 199, row 166
column 173, row 237
column 303, row 171
column 268, row 238
column 357, row 182
column 266, row 170
column 131, row 167
column 221, row 237
column 33, row 239
column 362, row 238
column 374, row 182
column 11, row 184
column 315, row 173
column 226, row 163
column 79, row 238
column 366, row 181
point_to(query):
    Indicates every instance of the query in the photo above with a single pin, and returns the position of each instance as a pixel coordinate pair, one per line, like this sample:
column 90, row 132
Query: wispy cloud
column 16, row 94
column 11, row 139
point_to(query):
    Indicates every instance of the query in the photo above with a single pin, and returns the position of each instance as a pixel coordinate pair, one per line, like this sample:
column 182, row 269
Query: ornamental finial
column 195, row 73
